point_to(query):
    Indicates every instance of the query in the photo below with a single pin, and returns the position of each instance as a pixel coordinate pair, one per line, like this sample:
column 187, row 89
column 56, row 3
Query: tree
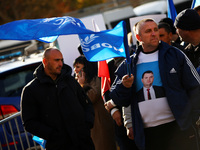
column 11, row 10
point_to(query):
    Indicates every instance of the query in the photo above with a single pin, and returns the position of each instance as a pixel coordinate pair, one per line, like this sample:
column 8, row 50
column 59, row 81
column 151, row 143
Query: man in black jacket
column 55, row 108
column 187, row 24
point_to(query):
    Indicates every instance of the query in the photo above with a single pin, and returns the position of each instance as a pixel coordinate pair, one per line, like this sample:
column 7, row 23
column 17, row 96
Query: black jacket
column 193, row 53
column 59, row 112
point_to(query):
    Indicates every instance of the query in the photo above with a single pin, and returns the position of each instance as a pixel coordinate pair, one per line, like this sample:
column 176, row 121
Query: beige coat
column 102, row 133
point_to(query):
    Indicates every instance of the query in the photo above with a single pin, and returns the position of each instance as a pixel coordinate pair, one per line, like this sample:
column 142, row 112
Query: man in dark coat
column 187, row 24
column 55, row 108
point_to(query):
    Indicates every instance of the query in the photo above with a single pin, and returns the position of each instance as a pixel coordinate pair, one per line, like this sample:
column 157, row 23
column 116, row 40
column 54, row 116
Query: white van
column 160, row 7
column 112, row 17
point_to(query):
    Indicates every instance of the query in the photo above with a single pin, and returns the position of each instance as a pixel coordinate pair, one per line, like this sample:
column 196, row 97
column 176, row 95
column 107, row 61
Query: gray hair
column 138, row 25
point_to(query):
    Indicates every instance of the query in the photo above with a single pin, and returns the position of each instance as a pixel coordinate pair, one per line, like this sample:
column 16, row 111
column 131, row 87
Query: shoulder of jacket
column 72, row 83
column 32, row 85
column 166, row 48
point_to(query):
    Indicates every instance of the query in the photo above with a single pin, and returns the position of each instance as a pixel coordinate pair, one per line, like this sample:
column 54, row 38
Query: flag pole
column 193, row 4
column 128, row 60
column 103, row 70
column 171, row 12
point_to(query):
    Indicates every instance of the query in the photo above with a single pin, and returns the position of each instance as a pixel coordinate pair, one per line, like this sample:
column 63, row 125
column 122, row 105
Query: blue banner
column 103, row 45
column 46, row 30
column 171, row 10
column 97, row 46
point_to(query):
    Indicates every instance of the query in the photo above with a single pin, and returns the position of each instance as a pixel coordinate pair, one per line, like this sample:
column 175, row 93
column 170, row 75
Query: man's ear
column 44, row 61
column 137, row 37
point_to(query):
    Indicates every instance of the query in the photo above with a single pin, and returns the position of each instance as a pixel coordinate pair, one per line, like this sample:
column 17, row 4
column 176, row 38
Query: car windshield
column 12, row 84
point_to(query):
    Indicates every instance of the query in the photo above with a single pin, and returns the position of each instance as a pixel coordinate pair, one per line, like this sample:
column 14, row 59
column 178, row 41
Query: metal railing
column 14, row 136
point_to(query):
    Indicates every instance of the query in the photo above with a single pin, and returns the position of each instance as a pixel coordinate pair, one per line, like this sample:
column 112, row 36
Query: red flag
column 103, row 72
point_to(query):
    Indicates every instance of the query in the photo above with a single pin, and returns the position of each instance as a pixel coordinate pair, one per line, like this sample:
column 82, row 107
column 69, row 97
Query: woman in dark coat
column 103, row 131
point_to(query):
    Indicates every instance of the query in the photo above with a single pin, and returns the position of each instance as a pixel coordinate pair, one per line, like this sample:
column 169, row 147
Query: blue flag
column 103, row 45
column 195, row 3
column 171, row 10
column 46, row 30
column 97, row 46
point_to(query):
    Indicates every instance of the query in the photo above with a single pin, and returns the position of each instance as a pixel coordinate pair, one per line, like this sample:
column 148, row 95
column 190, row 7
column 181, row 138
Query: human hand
column 130, row 133
column 127, row 80
column 108, row 105
column 117, row 117
column 81, row 77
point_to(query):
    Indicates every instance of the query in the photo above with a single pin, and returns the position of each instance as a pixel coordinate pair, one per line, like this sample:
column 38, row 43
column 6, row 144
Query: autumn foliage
column 11, row 10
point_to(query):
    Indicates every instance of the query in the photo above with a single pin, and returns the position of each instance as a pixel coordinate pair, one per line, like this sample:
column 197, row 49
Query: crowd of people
column 157, row 107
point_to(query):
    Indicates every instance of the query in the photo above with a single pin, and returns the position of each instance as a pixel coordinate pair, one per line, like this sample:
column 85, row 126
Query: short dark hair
column 165, row 26
column 170, row 22
column 90, row 68
column 148, row 71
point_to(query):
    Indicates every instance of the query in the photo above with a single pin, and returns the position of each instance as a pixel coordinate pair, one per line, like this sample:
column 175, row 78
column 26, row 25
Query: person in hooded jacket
column 54, row 106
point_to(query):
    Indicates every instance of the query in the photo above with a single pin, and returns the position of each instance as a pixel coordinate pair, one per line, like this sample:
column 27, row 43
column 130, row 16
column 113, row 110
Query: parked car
column 14, row 75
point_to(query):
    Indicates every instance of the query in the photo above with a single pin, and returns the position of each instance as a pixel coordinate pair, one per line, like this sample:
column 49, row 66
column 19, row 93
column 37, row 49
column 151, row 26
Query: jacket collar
column 40, row 74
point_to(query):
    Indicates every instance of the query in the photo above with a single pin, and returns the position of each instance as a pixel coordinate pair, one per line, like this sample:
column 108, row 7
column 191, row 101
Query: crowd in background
column 123, row 118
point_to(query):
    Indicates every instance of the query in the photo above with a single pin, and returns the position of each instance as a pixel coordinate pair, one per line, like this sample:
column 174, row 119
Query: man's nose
column 61, row 63
column 153, row 33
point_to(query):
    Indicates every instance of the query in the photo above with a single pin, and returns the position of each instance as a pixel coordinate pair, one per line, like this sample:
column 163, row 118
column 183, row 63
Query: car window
column 12, row 83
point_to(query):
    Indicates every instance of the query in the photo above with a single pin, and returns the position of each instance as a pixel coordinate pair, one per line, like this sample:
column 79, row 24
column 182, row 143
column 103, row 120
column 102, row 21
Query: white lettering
column 115, row 48
column 106, row 45
column 85, row 49
column 121, row 50
column 95, row 46
column 102, row 45
column 59, row 21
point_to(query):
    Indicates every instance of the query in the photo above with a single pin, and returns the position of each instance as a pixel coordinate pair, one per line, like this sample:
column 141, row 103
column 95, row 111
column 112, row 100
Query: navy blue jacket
column 182, row 88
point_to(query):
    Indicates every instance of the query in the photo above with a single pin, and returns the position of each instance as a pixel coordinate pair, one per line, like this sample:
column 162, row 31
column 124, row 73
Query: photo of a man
column 149, row 91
